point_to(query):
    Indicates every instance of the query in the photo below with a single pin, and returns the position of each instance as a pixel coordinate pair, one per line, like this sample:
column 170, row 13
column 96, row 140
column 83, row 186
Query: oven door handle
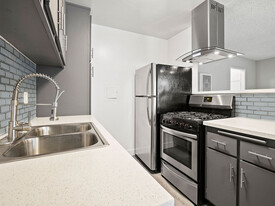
column 189, row 182
column 182, row 135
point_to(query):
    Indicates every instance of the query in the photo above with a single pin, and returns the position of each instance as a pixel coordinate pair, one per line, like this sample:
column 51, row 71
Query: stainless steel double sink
column 50, row 139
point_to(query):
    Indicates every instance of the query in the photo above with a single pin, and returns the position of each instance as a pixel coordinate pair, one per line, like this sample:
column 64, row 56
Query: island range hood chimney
column 208, row 35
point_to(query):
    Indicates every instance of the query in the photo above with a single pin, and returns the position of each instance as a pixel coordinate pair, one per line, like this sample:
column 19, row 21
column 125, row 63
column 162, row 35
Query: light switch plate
column 26, row 97
column 111, row 93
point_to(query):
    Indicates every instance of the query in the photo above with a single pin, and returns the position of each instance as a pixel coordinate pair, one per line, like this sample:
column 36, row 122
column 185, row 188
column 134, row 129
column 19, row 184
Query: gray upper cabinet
column 257, row 186
column 62, row 35
column 25, row 25
column 221, row 178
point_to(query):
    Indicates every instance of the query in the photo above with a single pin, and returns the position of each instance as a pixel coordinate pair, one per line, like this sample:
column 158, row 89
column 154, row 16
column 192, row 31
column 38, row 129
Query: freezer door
column 174, row 85
column 145, row 131
column 145, row 81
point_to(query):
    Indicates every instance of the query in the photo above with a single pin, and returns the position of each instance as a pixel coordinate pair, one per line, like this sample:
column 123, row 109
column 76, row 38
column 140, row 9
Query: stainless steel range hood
column 208, row 35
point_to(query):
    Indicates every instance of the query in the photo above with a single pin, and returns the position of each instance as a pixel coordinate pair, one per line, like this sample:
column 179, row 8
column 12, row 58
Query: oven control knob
column 188, row 126
column 177, row 123
column 163, row 121
column 170, row 122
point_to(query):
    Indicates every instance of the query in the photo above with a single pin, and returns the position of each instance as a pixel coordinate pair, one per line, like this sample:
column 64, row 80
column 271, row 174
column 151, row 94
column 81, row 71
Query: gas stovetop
column 189, row 121
column 194, row 116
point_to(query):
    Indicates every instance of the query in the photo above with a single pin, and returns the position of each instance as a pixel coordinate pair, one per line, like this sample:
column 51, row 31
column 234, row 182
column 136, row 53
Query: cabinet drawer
column 221, row 143
column 258, row 155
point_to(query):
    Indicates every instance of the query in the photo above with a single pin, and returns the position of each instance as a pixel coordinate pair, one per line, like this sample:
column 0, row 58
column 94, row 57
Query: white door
column 237, row 79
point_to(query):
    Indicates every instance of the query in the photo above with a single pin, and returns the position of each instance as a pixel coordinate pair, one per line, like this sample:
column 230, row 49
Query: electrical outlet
column 26, row 98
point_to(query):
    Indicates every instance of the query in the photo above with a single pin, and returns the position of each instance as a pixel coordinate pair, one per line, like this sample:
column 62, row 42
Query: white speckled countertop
column 256, row 127
column 100, row 176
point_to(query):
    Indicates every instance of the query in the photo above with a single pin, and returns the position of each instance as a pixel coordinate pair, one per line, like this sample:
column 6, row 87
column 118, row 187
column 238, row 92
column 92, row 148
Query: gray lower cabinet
column 257, row 186
column 250, row 184
column 221, row 178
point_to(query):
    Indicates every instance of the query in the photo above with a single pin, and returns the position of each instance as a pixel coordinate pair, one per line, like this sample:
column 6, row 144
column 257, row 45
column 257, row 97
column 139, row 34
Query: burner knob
column 181, row 124
column 163, row 121
column 170, row 122
column 177, row 123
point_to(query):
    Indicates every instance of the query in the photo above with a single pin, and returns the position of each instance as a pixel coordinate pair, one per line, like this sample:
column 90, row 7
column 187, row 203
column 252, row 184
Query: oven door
column 180, row 150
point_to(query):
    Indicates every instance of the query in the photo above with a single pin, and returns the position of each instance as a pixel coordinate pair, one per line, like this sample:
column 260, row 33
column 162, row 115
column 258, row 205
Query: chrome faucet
column 14, row 126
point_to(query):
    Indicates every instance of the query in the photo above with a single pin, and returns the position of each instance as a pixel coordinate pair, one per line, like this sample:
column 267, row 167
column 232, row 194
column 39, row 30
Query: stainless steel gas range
column 182, row 142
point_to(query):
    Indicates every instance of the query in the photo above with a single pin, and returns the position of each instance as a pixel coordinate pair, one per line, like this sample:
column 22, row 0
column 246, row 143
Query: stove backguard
column 217, row 104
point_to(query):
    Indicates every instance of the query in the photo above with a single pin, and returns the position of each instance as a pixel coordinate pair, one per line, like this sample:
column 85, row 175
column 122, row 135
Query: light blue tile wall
column 257, row 106
column 14, row 65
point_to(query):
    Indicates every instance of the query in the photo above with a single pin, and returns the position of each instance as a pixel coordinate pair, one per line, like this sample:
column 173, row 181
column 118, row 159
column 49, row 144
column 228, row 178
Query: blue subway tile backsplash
column 257, row 106
column 14, row 65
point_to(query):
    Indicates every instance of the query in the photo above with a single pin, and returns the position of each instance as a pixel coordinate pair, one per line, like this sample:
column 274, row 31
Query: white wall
column 179, row 45
column 220, row 71
column 265, row 73
column 117, row 54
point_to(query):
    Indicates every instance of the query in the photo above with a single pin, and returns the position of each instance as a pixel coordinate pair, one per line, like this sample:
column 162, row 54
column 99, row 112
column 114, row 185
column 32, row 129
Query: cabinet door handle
column 242, row 177
column 260, row 155
column 218, row 142
column 231, row 172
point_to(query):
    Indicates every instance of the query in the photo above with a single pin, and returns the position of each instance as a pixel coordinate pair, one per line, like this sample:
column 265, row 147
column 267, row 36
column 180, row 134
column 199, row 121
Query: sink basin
column 52, row 144
column 56, row 138
column 59, row 129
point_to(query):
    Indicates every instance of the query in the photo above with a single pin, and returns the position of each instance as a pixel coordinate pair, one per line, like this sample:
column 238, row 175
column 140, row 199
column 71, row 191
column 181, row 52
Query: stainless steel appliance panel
column 145, row 131
column 180, row 150
column 212, row 101
column 145, row 81
column 180, row 181
column 174, row 85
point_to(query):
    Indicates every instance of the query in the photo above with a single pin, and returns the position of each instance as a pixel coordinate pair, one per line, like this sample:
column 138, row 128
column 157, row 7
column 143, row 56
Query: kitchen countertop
column 255, row 127
column 96, row 176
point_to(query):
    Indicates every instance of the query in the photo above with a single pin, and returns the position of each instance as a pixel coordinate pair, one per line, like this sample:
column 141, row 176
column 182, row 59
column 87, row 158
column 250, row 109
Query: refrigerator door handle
column 147, row 85
column 148, row 115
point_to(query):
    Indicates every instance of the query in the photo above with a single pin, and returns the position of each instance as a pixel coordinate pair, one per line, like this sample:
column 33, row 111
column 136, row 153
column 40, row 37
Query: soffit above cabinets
column 24, row 24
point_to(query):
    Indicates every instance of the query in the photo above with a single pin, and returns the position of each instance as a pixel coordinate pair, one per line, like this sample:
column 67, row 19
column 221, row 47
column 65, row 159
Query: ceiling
column 250, row 28
column 249, row 24
column 158, row 18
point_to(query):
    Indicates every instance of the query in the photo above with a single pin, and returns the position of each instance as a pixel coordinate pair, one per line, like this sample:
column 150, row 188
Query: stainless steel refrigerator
column 158, row 89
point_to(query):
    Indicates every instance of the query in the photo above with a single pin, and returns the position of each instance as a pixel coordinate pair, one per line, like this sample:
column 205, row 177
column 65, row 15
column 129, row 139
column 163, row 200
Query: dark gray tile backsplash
column 258, row 106
column 14, row 65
